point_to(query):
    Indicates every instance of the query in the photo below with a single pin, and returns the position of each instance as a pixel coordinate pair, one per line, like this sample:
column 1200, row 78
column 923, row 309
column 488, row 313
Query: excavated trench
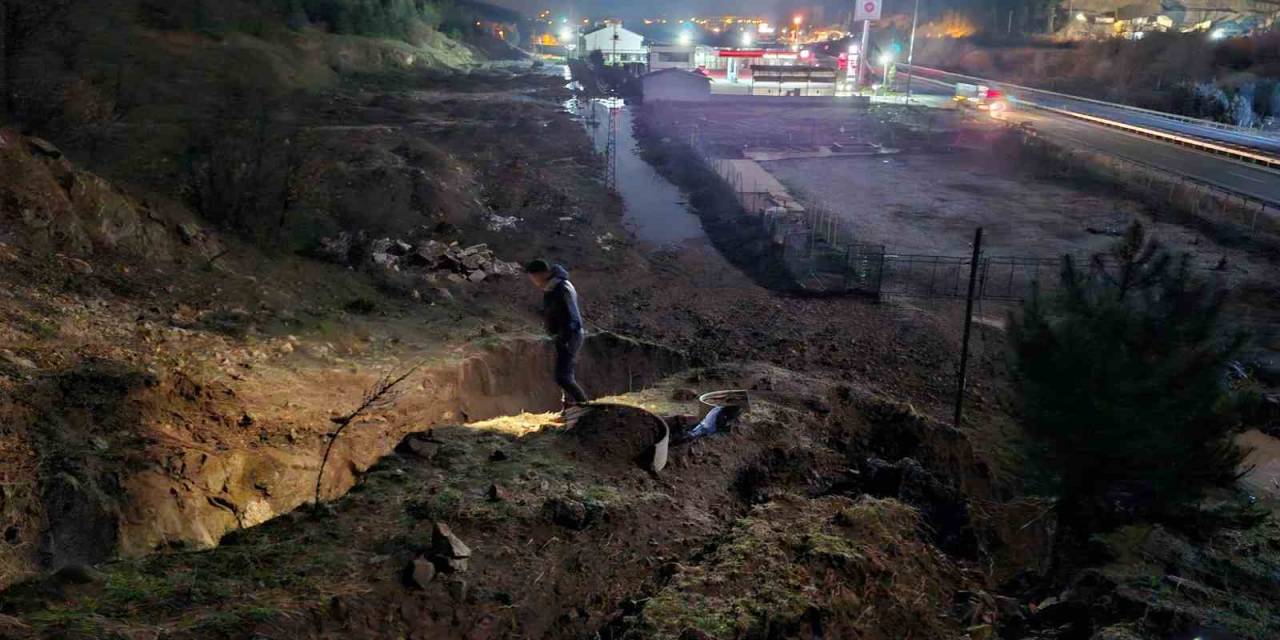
column 189, row 496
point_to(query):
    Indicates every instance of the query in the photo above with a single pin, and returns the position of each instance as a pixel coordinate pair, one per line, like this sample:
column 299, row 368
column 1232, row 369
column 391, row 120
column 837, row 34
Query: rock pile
column 448, row 551
column 438, row 260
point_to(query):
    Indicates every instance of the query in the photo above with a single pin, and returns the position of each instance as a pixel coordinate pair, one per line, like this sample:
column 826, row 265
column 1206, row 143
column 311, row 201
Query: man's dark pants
column 566, row 361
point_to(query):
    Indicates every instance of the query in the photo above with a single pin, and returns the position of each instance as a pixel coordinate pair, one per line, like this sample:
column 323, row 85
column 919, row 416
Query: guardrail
column 1113, row 105
column 1210, row 146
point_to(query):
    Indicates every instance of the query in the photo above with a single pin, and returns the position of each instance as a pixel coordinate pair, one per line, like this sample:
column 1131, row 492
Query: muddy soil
column 558, row 548
column 616, row 435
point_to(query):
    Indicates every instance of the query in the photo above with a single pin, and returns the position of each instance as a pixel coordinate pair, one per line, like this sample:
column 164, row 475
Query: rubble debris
column 42, row 147
column 419, row 573
column 448, row 551
column 436, row 260
column 494, row 222
column 497, row 494
column 189, row 233
column 568, row 513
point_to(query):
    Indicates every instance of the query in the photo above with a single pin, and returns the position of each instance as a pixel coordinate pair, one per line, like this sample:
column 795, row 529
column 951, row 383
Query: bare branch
column 378, row 396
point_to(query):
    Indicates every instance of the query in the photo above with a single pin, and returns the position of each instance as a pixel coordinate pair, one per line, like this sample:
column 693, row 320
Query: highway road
column 1265, row 147
column 1237, row 176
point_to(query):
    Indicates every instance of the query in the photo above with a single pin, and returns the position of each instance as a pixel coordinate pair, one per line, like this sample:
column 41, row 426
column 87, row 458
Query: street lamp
column 685, row 39
column 795, row 33
column 886, row 59
column 746, row 39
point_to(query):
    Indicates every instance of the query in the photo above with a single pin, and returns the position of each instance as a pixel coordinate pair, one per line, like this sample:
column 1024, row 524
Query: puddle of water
column 654, row 209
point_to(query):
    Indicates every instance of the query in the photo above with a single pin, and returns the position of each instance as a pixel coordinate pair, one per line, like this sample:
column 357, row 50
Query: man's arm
column 559, row 314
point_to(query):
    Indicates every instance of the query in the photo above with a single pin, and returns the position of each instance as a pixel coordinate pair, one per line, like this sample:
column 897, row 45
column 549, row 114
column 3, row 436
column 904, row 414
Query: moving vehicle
column 982, row 98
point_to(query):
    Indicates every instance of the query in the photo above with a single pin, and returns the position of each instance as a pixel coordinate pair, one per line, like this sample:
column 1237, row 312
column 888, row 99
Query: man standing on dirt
column 563, row 322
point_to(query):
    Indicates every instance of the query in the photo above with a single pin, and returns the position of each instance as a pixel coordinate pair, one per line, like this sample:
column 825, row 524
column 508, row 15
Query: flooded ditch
column 654, row 209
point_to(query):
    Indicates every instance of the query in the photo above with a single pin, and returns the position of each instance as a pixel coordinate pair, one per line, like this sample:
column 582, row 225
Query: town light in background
column 1217, row 34
column 746, row 39
column 686, row 38
column 565, row 36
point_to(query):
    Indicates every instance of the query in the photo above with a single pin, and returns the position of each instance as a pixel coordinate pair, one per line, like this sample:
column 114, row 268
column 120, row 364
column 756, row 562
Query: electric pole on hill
column 611, row 145
column 611, row 148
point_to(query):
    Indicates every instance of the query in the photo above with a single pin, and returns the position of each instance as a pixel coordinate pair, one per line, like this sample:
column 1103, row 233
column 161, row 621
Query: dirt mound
column 613, row 434
column 826, row 568
column 893, row 431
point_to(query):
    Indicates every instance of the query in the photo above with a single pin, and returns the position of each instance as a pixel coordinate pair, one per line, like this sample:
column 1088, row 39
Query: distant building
column 677, row 56
column 676, row 85
column 615, row 44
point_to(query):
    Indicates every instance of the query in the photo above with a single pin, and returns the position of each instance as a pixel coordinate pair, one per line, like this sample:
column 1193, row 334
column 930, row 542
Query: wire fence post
column 968, row 326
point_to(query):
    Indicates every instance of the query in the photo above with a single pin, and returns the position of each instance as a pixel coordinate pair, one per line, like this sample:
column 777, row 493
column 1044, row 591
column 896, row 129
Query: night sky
column 641, row 8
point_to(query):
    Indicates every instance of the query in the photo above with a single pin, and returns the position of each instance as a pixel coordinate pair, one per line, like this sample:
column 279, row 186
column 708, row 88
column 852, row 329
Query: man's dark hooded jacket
column 560, row 306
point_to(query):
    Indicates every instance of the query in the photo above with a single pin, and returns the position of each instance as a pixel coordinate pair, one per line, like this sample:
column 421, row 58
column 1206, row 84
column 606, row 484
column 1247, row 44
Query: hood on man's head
column 558, row 272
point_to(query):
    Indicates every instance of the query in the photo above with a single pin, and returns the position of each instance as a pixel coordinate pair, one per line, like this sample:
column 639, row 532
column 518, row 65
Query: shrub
column 1121, row 380
column 392, row 18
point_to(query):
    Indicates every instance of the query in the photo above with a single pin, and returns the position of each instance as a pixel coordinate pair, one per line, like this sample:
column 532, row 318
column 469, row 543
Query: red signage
column 742, row 53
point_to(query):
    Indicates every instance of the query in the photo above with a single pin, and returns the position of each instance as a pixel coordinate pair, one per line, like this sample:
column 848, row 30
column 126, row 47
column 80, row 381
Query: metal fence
column 822, row 254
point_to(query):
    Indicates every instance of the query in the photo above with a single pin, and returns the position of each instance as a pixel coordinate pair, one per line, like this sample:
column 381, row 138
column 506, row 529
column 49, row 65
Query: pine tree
column 1121, row 377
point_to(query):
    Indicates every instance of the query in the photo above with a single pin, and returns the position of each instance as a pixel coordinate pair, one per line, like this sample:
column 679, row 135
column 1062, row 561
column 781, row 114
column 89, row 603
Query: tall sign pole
column 862, row 54
column 911, row 50
column 866, row 11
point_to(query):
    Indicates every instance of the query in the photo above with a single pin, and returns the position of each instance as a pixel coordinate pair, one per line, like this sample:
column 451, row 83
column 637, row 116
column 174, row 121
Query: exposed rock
column 78, row 266
column 189, row 233
column 419, row 573
column 445, row 544
column 380, row 253
column 438, row 260
column 419, row 446
column 497, row 494
column 567, row 512
column 42, row 147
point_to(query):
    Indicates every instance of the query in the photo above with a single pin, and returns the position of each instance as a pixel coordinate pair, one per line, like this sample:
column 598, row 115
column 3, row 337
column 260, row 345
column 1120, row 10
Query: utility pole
column 911, row 50
column 611, row 146
column 968, row 325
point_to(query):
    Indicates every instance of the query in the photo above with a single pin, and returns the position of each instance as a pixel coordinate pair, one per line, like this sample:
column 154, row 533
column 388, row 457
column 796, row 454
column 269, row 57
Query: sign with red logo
column 866, row 10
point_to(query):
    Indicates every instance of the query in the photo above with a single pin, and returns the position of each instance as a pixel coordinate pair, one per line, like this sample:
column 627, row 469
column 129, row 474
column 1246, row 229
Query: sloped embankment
column 510, row 528
column 130, row 462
